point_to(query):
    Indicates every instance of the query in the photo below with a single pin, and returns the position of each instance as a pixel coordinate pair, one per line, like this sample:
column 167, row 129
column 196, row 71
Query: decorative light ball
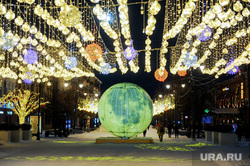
column 9, row 43
column 182, row 73
column 155, row 8
column 94, row 1
column 130, row 53
column 125, row 110
column 49, row 83
column 2, row 9
column 237, row 6
column 94, row 51
column 70, row 63
column 217, row 8
column 105, row 69
column 10, row 15
column 19, row 81
column 70, row 16
column 190, row 60
column 30, row 1
column 27, row 81
column 224, row 2
column 160, row 77
column 205, row 34
column 225, row 51
column 30, row 57
column 59, row 2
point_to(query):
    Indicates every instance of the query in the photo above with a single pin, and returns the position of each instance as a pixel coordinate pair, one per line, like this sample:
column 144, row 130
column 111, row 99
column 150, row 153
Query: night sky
column 142, row 78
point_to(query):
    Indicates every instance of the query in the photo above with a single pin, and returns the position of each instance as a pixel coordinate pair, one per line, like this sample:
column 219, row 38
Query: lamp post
column 39, row 111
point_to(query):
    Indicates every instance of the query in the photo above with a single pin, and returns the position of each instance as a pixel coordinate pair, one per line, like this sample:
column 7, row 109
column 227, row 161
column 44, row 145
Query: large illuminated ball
column 30, row 57
column 105, row 69
column 205, row 34
column 125, row 110
column 94, row 51
column 71, row 62
column 190, row 60
column 70, row 16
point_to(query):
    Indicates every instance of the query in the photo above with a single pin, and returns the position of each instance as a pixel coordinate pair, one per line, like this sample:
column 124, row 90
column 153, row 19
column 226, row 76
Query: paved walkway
column 81, row 150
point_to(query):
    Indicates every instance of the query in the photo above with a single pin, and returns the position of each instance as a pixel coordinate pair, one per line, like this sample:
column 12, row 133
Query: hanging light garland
column 154, row 9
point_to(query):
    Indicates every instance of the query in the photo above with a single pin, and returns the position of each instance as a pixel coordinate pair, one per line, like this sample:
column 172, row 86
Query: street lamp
column 160, row 96
column 85, row 94
column 96, row 95
column 167, row 86
column 66, row 84
column 201, row 67
column 183, row 85
column 80, row 85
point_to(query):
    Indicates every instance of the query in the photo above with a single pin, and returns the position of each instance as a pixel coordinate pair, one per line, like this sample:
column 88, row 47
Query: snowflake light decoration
column 70, row 63
column 205, row 34
column 8, row 43
column 105, row 69
column 190, row 60
column 30, row 57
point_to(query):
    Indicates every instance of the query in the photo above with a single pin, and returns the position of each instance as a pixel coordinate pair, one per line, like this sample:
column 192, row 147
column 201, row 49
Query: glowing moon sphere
column 125, row 110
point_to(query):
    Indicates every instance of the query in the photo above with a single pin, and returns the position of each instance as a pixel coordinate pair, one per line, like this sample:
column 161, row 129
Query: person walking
column 169, row 126
column 176, row 130
column 161, row 131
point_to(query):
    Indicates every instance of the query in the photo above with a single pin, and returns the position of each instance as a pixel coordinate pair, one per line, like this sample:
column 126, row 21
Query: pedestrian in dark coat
column 161, row 132
column 176, row 130
column 169, row 126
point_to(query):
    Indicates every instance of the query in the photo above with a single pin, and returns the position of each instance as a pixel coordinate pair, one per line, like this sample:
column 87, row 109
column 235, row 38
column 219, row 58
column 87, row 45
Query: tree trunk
column 21, row 120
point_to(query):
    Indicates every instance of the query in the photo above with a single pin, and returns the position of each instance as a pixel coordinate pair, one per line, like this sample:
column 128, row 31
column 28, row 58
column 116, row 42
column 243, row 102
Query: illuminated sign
column 9, row 112
column 242, row 91
column 207, row 111
column 225, row 89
